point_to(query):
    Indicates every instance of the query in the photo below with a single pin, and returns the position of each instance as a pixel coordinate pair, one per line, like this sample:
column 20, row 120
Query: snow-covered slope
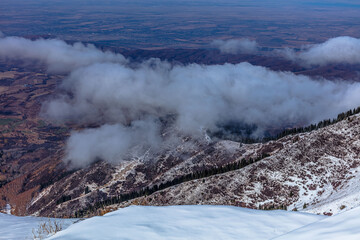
column 342, row 226
column 19, row 228
column 317, row 172
column 195, row 222
column 187, row 222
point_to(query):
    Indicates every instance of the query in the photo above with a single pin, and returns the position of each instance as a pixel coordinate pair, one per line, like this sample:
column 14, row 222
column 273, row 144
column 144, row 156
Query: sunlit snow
column 188, row 222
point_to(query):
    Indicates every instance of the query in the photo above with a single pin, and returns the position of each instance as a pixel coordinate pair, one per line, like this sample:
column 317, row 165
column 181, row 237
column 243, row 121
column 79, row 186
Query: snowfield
column 195, row 222
column 18, row 228
column 188, row 222
column 341, row 226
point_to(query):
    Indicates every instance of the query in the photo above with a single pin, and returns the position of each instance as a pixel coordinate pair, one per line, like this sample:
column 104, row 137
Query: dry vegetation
column 47, row 228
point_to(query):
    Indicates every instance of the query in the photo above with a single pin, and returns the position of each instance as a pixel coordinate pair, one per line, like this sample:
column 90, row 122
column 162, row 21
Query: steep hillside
column 316, row 172
column 103, row 181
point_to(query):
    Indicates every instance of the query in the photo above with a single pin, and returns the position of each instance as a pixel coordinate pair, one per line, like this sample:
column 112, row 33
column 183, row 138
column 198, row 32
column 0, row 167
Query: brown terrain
column 30, row 148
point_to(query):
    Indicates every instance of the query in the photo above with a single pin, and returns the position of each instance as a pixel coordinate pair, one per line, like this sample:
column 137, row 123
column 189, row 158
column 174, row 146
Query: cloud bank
column 235, row 46
column 59, row 56
column 130, row 101
column 335, row 50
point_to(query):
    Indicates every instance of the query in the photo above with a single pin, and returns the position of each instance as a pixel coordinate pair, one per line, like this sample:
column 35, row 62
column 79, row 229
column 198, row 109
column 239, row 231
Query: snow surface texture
column 342, row 226
column 188, row 222
column 195, row 222
column 18, row 228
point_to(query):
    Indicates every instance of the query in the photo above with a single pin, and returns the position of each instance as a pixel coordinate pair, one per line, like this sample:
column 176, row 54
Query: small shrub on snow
column 47, row 228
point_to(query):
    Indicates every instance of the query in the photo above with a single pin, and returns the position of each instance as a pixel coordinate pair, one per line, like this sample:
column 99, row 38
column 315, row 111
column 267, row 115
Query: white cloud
column 59, row 56
column 235, row 46
column 335, row 50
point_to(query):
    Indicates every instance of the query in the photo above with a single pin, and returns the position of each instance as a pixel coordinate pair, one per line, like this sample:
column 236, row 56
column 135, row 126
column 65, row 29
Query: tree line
column 242, row 132
column 311, row 127
column 158, row 187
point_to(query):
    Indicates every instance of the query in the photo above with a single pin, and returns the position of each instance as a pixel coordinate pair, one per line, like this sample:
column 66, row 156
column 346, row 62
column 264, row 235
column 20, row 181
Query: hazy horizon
column 185, row 24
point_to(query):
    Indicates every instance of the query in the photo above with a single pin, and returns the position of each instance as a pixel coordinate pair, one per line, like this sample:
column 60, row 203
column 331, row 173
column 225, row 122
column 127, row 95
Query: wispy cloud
column 235, row 46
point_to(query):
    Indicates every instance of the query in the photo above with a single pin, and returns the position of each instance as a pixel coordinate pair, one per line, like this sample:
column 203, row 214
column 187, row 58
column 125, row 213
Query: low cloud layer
column 59, row 56
column 129, row 101
column 335, row 50
column 235, row 46
column 200, row 96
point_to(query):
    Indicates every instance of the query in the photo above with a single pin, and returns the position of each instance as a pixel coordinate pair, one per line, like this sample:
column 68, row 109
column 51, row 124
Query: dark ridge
column 91, row 210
